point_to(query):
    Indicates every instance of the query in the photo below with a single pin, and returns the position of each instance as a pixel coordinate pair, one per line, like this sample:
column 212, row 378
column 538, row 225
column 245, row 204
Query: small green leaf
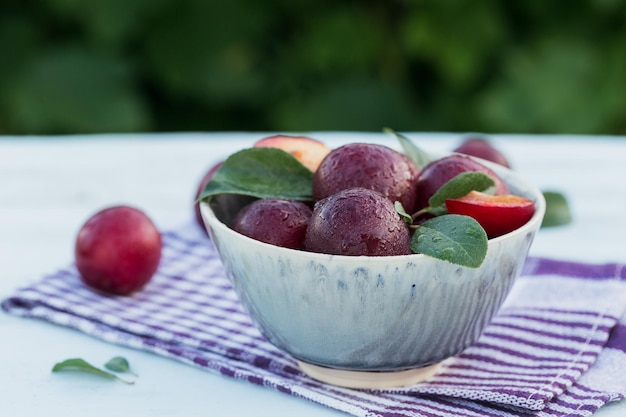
column 453, row 238
column 557, row 210
column 460, row 186
column 402, row 212
column 119, row 364
column 262, row 173
column 415, row 154
column 77, row 364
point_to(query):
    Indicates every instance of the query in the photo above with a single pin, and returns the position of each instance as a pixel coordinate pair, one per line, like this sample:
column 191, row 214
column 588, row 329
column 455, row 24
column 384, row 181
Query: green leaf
column 262, row 173
column 453, row 238
column 557, row 210
column 119, row 364
column 417, row 155
column 402, row 212
column 460, row 186
column 77, row 364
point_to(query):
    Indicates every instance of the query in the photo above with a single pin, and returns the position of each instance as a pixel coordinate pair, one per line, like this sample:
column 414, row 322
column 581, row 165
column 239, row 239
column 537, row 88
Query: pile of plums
column 355, row 188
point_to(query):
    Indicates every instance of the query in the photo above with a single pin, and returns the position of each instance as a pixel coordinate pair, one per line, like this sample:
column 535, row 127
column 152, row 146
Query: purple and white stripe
column 551, row 351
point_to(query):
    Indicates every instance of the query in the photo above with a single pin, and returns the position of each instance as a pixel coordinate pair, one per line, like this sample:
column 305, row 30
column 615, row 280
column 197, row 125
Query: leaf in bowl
column 453, row 238
column 262, row 173
column 419, row 157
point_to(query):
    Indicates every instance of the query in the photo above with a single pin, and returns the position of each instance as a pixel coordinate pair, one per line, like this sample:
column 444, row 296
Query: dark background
column 85, row 66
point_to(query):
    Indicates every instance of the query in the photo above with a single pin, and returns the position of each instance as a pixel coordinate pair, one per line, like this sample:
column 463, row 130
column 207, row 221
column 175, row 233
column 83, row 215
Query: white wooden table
column 50, row 185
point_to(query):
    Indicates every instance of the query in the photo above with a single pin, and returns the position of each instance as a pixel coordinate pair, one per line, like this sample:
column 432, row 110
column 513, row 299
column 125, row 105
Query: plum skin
column 310, row 152
column 118, row 250
column 498, row 215
column 372, row 166
column 203, row 182
column 275, row 221
column 357, row 222
column 481, row 148
column 438, row 172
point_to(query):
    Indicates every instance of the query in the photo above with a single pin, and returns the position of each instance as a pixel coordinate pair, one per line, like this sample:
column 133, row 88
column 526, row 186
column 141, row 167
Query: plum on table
column 118, row 250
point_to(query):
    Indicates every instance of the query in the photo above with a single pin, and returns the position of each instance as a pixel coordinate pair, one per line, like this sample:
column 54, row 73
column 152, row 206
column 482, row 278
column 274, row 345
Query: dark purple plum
column 274, row 221
column 203, row 182
column 371, row 166
column 481, row 148
column 357, row 221
column 440, row 171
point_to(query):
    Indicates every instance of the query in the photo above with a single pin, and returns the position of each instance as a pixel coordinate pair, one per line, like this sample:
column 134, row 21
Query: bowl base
column 369, row 379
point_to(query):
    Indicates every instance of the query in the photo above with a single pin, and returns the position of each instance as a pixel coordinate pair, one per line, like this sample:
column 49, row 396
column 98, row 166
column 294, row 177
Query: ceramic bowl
column 371, row 321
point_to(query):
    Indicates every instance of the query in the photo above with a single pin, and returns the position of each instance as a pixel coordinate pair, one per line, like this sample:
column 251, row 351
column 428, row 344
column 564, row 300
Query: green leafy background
column 75, row 66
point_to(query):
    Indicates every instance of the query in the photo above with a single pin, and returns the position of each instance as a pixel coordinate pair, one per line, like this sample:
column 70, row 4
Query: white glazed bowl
column 378, row 314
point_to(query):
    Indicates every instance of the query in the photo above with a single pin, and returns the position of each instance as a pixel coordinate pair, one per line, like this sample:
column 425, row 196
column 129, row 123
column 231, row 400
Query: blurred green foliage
column 75, row 66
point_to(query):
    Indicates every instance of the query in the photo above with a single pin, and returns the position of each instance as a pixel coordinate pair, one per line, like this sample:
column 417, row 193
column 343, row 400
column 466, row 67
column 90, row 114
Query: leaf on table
column 557, row 210
column 119, row 364
column 77, row 364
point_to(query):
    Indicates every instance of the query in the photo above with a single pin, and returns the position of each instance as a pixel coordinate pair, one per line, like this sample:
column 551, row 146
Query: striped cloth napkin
column 556, row 348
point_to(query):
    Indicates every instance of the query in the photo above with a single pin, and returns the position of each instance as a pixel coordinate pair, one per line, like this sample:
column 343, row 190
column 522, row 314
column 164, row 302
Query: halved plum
column 438, row 172
column 497, row 214
column 308, row 151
